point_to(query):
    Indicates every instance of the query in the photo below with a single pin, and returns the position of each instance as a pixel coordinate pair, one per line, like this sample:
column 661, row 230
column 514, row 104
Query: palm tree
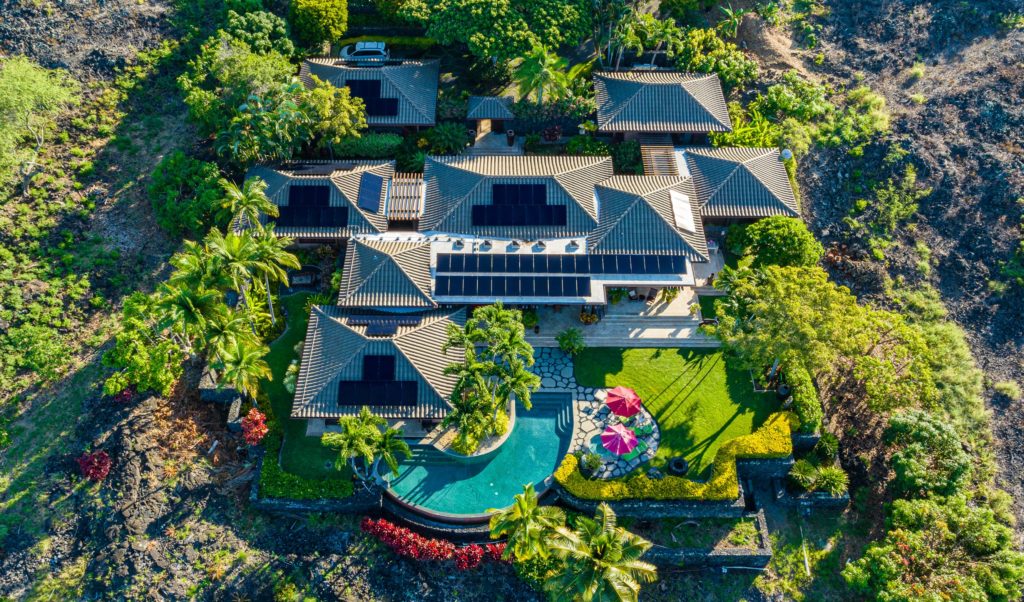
column 241, row 365
column 185, row 311
column 628, row 36
column 194, row 267
column 234, row 258
column 272, row 258
column 243, row 206
column 601, row 561
column 730, row 26
column 541, row 70
column 224, row 329
column 387, row 448
column 526, row 525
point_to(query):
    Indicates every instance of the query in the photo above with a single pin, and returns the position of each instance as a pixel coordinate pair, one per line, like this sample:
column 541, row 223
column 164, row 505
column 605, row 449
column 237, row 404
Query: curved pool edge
column 495, row 447
column 457, row 520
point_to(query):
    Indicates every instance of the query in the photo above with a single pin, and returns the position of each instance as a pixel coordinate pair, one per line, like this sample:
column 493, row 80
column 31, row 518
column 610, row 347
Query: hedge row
column 772, row 440
column 276, row 483
column 805, row 398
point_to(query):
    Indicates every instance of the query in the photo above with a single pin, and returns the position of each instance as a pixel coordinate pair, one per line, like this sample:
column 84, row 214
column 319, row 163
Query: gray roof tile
column 382, row 273
column 637, row 217
column 489, row 107
column 455, row 184
column 740, row 182
column 334, row 351
column 413, row 83
column 660, row 101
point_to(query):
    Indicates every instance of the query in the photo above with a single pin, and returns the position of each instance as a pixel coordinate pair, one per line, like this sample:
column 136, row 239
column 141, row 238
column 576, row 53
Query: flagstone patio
column 591, row 416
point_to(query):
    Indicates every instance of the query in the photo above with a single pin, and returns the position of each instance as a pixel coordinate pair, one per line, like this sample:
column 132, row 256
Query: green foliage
column 795, row 97
column 895, row 202
column 627, row 159
column 929, row 457
column 805, row 398
column 797, row 316
column 827, row 448
column 832, row 480
column 587, row 145
column 542, row 71
column 445, row 139
column 600, row 560
column 369, row 146
column 526, row 526
column 804, row 473
column 276, row 483
column 571, row 341
column 31, row 99
column 778, row 240
column 333, row 115
column 367, row 438
column 952, row 549
column 34, row 347
column 222, row 77
column 508, row 29
column 772, row 440
column 142, row 359
column 703, row 51
column 319, row 21
column 750, row 129
column 1008, row 389
column 864, row 117
column 261, row 31
column 185, row 194
column 267, row 127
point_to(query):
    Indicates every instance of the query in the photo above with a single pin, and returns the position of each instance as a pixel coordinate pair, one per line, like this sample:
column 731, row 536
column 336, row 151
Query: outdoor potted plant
column 530, row 320
column 590, row 463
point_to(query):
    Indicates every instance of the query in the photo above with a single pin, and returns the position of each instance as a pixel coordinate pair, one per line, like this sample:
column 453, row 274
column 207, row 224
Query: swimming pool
column 465, row 486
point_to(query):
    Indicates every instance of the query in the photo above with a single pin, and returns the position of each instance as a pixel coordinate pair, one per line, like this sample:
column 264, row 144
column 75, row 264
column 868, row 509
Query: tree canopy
column 777, row 240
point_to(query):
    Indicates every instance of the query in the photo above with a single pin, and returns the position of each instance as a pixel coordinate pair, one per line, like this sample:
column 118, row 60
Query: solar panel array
column 397, row 320
column 519, row 205
column 483, row 263
column 512, row 286
column 370, row 185
column 309, row 206
column 369, row 91
column 378, row 367
column 380, row 393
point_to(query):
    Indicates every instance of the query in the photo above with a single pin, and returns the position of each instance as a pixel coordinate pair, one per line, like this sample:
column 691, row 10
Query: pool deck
column 589, row 416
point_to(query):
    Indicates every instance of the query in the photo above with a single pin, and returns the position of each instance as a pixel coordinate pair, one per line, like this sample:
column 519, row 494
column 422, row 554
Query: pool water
column 441, row 483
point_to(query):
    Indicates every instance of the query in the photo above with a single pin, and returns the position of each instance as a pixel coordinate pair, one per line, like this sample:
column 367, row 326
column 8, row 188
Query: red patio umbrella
column 623, row 401
column 618, row 439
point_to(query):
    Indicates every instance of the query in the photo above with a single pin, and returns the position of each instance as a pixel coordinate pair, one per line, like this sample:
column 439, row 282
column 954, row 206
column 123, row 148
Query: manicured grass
column 301, row 455
column 699, row 400
column 707, row 306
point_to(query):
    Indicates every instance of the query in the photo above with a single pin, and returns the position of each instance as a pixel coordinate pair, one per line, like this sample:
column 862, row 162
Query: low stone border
column 810, row 499
column 804, row 442
column 738, row 557
column 651, row 509
column 763, row 469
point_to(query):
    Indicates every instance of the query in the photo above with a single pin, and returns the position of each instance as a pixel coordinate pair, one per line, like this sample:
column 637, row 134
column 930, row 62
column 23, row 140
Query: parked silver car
column 365, row 52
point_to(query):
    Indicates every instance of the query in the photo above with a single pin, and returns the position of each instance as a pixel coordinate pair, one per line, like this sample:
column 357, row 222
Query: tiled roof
column 739, row 182
column 344, row 182
column 382, row 273
column 413, row 83
column 660, row 101
column 334, row 351
column 637, row 216
column 489, row 107
column 455, row 184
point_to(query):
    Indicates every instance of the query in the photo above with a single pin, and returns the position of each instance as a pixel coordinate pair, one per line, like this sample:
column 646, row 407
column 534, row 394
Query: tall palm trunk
column 270, row 301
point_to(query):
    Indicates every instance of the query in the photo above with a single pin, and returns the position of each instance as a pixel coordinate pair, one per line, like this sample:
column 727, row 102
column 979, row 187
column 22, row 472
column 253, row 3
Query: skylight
column 683, row 211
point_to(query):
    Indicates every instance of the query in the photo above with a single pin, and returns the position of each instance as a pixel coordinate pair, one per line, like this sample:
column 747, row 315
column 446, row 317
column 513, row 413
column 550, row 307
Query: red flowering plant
column 406, row 543
column 94, row 466
column 254, row 427
column 124, row 396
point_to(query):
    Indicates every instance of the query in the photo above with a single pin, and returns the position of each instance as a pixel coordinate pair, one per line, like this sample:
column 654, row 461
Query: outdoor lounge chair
column 644, row 430
column 640, row 448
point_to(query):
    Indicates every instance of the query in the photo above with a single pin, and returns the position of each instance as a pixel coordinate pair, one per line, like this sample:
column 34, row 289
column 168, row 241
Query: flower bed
column 406, row 543
column 772, row 440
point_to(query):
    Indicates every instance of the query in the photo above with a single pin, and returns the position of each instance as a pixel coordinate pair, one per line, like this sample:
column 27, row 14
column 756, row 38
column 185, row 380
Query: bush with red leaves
column 406, row 543
column 94, row 466
column 124, row 396
column 254, row 427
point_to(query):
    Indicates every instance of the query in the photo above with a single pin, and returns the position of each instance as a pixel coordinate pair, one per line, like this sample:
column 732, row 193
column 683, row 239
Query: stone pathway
column 590, row 415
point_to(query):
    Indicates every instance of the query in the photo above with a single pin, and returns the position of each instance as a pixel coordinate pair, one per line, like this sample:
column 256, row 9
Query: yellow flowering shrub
column 772, row 440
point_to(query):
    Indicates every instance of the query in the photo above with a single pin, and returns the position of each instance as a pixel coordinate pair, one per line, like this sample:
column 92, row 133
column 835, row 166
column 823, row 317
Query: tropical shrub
column 262, row 31
column 586, row 145
column 804, row 473
column 94, row 466
column 185, row 194
column 627, row 159
column 571, row 341
column 404, row 542
column 369, row 146
column 772, row 440
column 254, row 427
column 276, row 483
column 780, row 240
column 930, row 458
column 319, row 21
column 795, row 97
column 445, row 139
column 805, row 398
column 832, row 480
column 827, row 448
column 703, row 51
column 332, row 114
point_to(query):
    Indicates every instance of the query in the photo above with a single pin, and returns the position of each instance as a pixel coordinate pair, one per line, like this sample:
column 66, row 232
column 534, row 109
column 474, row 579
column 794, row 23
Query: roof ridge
column 387, row 74
column 334, row 321
column 414, row 246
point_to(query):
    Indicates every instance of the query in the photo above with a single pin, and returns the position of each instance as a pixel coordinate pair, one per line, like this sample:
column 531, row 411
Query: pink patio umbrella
column 618, row 439
column 623, row 401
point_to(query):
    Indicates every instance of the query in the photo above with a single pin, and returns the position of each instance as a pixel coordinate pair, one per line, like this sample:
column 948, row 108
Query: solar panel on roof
column 518, row 194
column 381, row 107
column 370, row 186
column 397, row 319
column 378, row 367
column 313, row 169
column 364, row 88
column 519, row 215
column 560, row 264
column 381, row 329
column 318, row 195
column 381, row 393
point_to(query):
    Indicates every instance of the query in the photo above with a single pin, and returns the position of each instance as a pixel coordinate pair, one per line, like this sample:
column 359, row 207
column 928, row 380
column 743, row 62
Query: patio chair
column 640, row 448
column 644, row 430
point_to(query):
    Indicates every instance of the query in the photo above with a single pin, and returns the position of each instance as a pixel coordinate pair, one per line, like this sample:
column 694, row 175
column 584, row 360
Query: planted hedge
column 772, row 440
column 276, row 483
column 805, row 398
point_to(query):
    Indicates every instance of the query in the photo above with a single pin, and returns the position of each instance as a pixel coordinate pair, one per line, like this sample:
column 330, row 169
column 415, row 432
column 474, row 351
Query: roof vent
column 786, row 154
column 514, row 244
column 458, row 244
column 486, row 244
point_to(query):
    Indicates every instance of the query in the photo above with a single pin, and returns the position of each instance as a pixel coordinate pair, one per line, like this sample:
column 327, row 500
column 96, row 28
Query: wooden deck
column 406, row 200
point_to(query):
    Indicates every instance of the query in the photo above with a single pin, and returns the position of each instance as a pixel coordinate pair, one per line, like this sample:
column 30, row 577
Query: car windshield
column 366, row 53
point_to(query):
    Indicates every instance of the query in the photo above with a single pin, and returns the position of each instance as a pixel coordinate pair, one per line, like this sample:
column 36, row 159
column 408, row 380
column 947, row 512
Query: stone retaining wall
column 815, row 500
column 764, row 469
column 804, row 442
column 700, row 557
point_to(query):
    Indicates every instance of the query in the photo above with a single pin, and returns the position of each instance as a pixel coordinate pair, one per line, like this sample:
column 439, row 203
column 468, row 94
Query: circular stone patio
column 590, row 415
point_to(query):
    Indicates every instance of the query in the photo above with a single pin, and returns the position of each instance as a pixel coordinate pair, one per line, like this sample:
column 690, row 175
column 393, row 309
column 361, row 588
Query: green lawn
column 707, row 306
column 699, row 400
column 301, row 455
